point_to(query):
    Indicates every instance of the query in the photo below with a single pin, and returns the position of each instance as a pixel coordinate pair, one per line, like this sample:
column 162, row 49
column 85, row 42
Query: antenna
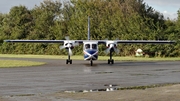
column 88, row 28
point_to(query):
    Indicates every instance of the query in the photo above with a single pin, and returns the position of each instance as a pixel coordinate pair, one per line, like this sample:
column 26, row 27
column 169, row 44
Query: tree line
column 110, row 19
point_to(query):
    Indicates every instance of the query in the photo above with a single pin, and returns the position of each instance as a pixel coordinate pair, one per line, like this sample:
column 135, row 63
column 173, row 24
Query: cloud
column 173, row 3
column 165, row 12
column 172, row 16
column 167, row 7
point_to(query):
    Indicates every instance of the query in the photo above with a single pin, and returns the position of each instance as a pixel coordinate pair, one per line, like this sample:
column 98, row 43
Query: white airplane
column 90, row 47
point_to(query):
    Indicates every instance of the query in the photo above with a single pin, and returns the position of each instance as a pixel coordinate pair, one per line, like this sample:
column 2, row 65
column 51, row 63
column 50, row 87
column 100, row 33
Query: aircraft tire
column 70, row 61
column 67, row 61
column 112, row 61
column 108, row 61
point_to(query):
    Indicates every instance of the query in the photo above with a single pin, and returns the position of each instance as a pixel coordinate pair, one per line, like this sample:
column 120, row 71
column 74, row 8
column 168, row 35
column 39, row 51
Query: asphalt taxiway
column 56, row 76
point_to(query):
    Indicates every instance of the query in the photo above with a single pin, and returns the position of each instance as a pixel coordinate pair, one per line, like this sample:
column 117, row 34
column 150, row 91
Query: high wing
column 136, row 41
column 144, row 41
column 43, row 41
column 81, row 41
column 35, row 41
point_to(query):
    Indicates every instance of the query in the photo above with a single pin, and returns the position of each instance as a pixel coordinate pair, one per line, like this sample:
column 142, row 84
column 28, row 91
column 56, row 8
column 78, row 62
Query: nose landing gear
column 110, row 61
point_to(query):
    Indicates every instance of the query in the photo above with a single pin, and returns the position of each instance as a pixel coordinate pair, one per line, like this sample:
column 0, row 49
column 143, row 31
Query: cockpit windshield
column 94, row 46
column 90, row 46
column 87, row 46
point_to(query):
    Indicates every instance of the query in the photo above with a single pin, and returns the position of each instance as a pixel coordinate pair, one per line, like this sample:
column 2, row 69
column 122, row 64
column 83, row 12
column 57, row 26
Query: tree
column 110, row 19
column 45, row 17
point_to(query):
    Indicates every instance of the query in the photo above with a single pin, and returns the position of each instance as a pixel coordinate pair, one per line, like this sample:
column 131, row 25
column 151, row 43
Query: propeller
column 69, row 45
column 61, row 47
column 111, row 46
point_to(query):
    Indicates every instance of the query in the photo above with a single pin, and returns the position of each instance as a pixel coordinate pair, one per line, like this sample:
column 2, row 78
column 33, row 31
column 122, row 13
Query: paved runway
column 56, row 76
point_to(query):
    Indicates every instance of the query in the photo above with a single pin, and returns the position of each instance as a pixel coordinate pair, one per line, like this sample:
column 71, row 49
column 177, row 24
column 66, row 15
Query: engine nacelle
column 69, row 44
column 111, row 44
column 111, row 47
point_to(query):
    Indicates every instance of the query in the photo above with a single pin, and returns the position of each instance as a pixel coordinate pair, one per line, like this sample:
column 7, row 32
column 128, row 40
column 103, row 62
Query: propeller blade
column 67, row 37
column 76, row 44
column 61, row 47
column 108, row 49
column 70, row 51
column 116, row 50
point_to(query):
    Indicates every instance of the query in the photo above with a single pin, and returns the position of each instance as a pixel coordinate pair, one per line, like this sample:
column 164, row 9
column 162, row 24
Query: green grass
column 17, row 63
column 99, row 58
column 146, row 87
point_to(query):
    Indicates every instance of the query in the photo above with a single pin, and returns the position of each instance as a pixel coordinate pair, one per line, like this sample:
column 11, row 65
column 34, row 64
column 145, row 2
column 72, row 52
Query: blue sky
column 5, row 5
column 168, row 7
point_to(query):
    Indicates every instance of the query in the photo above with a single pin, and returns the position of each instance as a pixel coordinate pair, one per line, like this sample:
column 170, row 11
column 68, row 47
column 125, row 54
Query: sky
column 168, row 7
column 6, row 5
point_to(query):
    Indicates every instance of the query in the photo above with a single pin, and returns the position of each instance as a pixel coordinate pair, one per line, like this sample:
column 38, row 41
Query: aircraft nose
column 92, row 56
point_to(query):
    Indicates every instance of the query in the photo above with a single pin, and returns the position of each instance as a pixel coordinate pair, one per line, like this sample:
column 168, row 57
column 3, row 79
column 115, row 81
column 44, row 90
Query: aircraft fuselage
column 90, row 50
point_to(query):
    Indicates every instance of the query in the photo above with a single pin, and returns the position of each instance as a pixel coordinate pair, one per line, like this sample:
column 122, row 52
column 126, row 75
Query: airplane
column 90, row 47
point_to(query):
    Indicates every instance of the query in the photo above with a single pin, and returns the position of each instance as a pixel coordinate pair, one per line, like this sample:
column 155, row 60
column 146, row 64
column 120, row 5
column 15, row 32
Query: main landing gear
column 110, row 61
column 69, row 61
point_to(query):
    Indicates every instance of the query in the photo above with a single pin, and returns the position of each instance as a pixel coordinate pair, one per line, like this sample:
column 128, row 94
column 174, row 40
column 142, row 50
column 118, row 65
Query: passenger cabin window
column 87, row 46
column 94, row 46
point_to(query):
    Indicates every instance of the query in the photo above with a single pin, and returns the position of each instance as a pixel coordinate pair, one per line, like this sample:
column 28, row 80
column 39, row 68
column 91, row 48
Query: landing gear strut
column 69, row 60
column 110, row 61
column 91, row 62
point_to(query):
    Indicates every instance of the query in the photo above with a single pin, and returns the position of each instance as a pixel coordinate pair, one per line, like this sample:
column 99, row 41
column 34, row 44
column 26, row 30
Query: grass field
column 17, row 63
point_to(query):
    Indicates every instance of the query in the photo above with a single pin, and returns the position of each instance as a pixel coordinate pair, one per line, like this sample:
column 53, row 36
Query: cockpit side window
column 94, row 46
column 87, row 46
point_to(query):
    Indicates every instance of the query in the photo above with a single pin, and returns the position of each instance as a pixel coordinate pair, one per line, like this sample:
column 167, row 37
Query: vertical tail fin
column 88, row 28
